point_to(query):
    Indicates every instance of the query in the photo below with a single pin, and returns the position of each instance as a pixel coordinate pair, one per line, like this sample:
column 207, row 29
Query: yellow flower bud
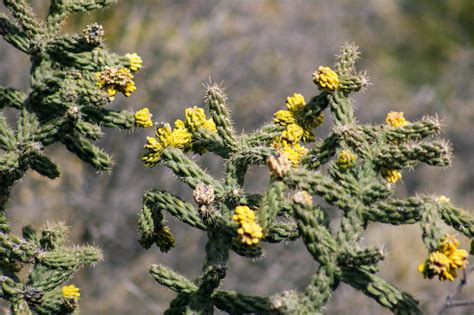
column 135, row 61
column 396, row 119
column 71, row 292
column 143, row 118
column 326, row 79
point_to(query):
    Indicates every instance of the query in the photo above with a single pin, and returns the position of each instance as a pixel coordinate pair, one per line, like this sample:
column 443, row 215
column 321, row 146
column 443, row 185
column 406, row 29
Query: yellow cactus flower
column 443, row 199
column 196, row 119
column 295, row 102
column 294, row 153
column 129, row 88
column 71, row 292
column 243, row 214
column 458, row 259
column 210, row 125
column 163, row 134
column 151, row 158
column 112, row 81
column 179, row 124
column 292, row 133
column 449, row 243
column 135, row 61
column 143, row 118
column 345, row 159
column 391, row 176
column 326, row 79
column 180, row 138
column 250, row 233
column 153, row 145
column 445, row 260
column 396, row 119
column 284, row 118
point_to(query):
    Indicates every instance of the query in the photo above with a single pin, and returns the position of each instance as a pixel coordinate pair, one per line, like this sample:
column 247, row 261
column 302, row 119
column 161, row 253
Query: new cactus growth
column 362, row 164
column 72, row 78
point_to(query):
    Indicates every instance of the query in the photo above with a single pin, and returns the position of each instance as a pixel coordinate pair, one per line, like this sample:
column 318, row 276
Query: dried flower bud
column 302, row 197
column 203, row 194
column 279, row 164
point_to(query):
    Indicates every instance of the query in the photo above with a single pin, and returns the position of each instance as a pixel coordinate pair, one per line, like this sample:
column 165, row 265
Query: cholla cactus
column 362, row 164
column 72, row 78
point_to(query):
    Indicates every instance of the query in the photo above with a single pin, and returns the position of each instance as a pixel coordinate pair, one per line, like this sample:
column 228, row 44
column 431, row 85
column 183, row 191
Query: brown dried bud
column 279, row 164
column 203, row 194
column 302, row 197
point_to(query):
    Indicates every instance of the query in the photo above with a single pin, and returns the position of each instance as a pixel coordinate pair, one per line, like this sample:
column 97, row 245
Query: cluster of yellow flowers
column 179, row 137
column 116, row 80
column 396, row 119
column 444, row 261
column 326, row 79
column 143, row 118
column 294, row 130
column 196, row 119
column 294, row 153
column 249, row 232
column 135, row 61
column 391, row 176
column 345, row 159
column 71, row 292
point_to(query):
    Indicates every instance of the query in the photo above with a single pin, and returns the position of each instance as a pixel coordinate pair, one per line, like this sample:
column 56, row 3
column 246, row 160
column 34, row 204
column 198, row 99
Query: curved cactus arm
column 318, row 184
column 322, row 152
column 173, row 280
column 10, row 97
column 400, row 156
column 282, row 231
column 187, row 170
column 458, row 218
column 56, row 267
column 24, row 15
column 341, row 108
column 317, row 238
column 88, row 152
column 314, row 108
column 110, row 118
column 183, row 211
column 353, row 257
column 262, row 136
column 86, row 5
column 13, row 35
column 236, row 303
column 216, row 98
column 396, row 211
column 7, row 136
column 431, row 233
column 26, row 126
column 211, row 141
column 270, row 204
column 320, row 288
column 417, row 130
column 246, row 251
column 381, row 291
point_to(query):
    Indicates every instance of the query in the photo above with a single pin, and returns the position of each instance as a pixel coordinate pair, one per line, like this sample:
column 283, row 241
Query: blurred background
column 418, row 54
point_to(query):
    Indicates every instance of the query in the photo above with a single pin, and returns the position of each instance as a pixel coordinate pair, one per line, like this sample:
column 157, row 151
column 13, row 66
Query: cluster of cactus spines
column 362, row 162
column 72, row 78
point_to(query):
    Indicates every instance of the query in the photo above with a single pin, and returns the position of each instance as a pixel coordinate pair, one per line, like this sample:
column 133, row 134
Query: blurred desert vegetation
column 418, row 54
